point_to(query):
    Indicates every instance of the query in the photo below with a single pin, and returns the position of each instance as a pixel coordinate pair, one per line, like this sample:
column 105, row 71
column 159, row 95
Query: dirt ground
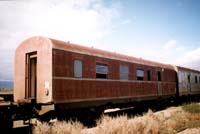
column 191, row 131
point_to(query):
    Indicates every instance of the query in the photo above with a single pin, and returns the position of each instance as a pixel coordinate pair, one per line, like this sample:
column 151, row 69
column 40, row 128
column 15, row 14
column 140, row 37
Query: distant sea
column 6, row 84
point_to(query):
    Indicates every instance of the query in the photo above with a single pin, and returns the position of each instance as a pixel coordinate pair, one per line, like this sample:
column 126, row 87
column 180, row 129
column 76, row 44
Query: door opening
column 31, row 76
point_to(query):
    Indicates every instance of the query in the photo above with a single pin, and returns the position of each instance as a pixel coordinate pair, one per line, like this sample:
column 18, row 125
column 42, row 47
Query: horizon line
column 6, row 80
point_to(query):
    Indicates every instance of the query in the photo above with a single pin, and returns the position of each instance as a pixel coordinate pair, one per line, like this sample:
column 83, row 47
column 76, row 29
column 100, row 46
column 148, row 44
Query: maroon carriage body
column 46, row 69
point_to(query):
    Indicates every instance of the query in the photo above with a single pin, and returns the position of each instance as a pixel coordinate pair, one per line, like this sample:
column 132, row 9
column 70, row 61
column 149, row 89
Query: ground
column 191, row 131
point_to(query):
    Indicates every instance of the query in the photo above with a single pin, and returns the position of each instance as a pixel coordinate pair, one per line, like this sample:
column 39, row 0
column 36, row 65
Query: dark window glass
column 140, row 74
column 196, row 79
column 148, row 75
column 124, row 71
column 101, row 71
column 199, row 79
column 188, row 78
column 159, row 76
column 78, row 68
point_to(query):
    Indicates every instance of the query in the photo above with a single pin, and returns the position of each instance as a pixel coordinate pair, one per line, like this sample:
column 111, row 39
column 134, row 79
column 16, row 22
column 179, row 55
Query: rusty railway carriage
column 51, row 76
column 49, row 71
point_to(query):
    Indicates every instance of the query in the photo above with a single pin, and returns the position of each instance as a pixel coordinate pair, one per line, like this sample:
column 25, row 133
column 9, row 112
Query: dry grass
column 60, row 127
column 168, row 121
column 43, row 128
column 192, row 107
column 122, row 125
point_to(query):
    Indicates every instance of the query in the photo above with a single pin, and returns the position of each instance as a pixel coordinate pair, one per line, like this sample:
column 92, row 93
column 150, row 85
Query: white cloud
column 172, row 52
column 125, row 22
column 179, row 55
column 77, row 21
column 191, row 59
column 171, row 44
column 83, row 22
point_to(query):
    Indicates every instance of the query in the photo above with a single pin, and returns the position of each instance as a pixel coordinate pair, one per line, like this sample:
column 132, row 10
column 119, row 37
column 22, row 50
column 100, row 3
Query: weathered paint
column 43, row 47
column 55, row 72
column 67, row 88
column 186, row 87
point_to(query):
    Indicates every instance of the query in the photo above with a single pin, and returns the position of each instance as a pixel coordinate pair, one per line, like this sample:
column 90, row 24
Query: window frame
column 141, row 78
column 123, row 73
column 101, row 74
column 149, row 75
column 159, row 76
column 189, row 78
column 199, row 79
column 196, row 79
column 81, row 74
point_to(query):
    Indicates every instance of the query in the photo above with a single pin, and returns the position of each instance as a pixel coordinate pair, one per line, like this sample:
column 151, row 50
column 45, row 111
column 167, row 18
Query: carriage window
column 196, row 79
column 124, row 71
column 188, row 78
column 159, row 76
column 199, row 79
column 78, row 68
column 148, row 75
column 101, row 71
column 140, row 74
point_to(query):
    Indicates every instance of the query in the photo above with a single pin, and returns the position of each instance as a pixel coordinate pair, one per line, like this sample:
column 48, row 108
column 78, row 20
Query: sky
column 166, row 31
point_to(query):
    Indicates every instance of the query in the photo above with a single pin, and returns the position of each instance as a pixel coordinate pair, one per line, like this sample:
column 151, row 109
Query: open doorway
column 31, row 76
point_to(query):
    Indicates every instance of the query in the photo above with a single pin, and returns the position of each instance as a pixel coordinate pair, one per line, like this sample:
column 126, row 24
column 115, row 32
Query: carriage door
column 31, row 75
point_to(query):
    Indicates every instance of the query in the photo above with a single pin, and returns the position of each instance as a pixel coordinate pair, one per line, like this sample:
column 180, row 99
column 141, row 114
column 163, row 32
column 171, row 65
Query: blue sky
column 160, row 20
column 166, row 31
column 168, row 26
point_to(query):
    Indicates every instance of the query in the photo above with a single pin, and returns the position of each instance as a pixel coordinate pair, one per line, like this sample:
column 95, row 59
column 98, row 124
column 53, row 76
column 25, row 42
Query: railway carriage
column 67, row 75
column 188, row 81
column 52, row 76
